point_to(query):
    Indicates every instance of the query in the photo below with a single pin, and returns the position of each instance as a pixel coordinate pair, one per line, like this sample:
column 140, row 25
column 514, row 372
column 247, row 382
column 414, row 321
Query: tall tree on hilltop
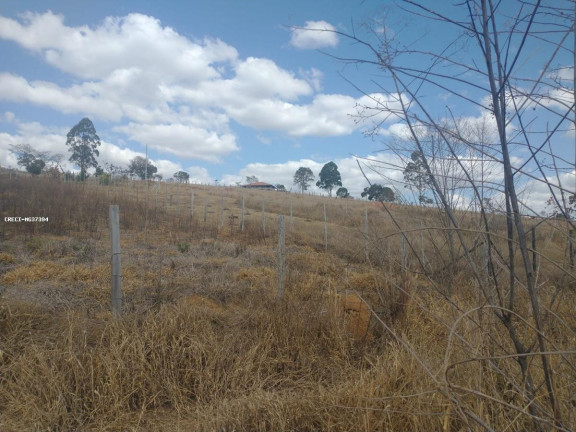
column 378, row 192
column 329, row 177
column 342, row 192
column 34, row 160
column 417, row 177
column 182, row 176
column 138, row 167
column 303, row 177
column 83, row 142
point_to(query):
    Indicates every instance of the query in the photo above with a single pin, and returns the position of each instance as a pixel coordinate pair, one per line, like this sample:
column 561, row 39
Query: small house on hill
column 259, row 185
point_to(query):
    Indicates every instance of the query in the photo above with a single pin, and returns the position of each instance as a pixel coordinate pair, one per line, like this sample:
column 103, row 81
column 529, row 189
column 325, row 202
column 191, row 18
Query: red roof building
column 260, row 185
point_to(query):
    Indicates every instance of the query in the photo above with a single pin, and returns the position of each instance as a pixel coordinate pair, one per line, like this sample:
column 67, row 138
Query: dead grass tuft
column 6, row 258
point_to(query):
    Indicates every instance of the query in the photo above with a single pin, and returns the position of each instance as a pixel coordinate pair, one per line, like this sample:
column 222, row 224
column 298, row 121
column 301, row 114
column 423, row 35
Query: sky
column 221, row 89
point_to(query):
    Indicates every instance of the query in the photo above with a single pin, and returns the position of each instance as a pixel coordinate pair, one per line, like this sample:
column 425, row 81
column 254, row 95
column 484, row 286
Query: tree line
column 83, row 142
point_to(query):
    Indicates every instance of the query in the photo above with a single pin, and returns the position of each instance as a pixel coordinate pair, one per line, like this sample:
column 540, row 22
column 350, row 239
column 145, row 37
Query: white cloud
column 535, row 193
column 166, row 168
column 261, row 78
column 172, row 93
column 182, row 140
column 314, row 77
column 76, row 99
column 133, row 41
column 8, row 117
column 315, row 34
column 199, row 175
column 115, row 155
column 327, row 115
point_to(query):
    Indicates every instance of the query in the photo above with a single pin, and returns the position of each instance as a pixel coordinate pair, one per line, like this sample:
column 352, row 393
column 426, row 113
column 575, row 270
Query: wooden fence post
column 281, row 255
column 114, row 216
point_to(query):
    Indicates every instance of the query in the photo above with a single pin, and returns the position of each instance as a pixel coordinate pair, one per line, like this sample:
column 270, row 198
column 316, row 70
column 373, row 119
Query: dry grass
column 205, row 345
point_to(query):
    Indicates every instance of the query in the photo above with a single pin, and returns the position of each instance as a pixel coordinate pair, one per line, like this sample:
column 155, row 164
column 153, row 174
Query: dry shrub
column 6, row 258
column 306, row 259
column 38, row 270
column 56, row 271
column 257, row 277
column 201, row 302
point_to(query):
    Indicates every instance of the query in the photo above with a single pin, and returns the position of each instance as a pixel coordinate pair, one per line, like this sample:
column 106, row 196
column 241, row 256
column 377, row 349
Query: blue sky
column 220, row 89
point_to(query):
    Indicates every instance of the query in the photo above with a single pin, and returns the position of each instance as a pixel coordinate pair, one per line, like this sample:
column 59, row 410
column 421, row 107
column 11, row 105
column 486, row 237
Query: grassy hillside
column 373, row 333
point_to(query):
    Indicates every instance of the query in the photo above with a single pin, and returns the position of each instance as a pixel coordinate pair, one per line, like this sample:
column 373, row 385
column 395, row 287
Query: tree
column 416, row 176
column 329, row 177
column 342, row 193
column 83, row 142
column 138, row 167
column 303, row 177
column 33, row 160
column 378, row 192
column 36, row 166
column 251, row 179
column 281, row 187
column 182, row 176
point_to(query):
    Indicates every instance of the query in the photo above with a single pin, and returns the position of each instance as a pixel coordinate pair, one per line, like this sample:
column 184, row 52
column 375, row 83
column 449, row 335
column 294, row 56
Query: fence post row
column 114, row 216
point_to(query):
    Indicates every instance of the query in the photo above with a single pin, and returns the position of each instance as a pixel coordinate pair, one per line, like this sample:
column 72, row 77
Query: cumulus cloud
column 116, row 155
column 133, row 41
column 173, row 93
column 315, row 34
column 154, row 86
column 314, row 77
column 182, row 140
column 199, row 175
column 535, row 193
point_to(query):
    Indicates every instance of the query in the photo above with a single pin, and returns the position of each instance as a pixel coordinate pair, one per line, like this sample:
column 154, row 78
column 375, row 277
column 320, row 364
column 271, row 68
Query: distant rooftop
column 260, row 185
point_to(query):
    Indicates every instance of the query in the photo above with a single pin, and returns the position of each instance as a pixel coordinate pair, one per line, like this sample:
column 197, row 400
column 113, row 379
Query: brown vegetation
column 205, row 344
